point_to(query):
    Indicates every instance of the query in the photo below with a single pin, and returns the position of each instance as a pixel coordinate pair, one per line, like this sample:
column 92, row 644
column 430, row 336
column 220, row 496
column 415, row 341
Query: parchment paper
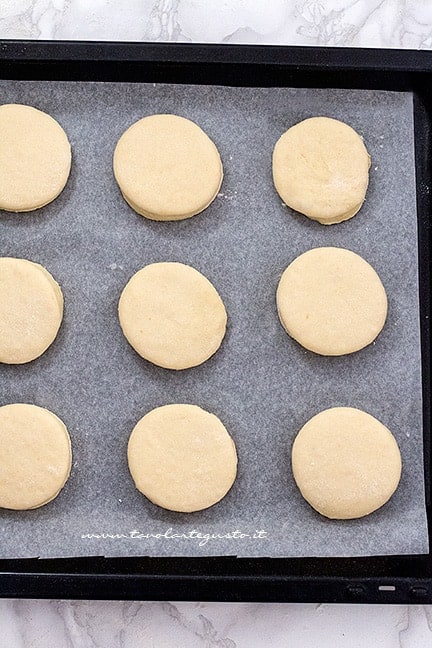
column 261, row 384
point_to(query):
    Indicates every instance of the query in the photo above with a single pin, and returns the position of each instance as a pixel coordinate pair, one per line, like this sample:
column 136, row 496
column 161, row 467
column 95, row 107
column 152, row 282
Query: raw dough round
column 182, row 458
column 346, row 463
column 172, row 315
column 35, row 158
column 331, row 301
column 321, row 169
column 167, row 168
column 35, row 456
column 31, row 310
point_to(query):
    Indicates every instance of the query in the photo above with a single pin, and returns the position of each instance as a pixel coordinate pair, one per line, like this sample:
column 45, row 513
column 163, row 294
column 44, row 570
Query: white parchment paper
column 261, row 384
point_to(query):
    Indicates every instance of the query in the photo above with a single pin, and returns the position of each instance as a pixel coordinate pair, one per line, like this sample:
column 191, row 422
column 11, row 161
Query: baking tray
column 379, row 579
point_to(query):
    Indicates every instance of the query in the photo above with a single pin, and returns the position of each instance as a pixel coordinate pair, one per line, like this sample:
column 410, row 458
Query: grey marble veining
column 87, row 624
column 103, row 624
column 361, row 23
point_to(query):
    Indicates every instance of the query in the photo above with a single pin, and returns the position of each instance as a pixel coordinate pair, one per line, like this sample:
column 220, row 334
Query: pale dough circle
column 167, row 168
column 182, row 458
column 346, row 463
column 31, row 310
column 35, row 456
column 321, row 169
column 35, row 158
column 172, row 315
column 331, row 301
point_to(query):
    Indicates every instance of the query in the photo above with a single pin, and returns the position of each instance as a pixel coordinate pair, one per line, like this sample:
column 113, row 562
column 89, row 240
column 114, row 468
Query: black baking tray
column 379, row 579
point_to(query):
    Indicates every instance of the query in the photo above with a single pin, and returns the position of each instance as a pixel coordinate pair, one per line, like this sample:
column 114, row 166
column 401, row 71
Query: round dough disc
column 31, row 310
column 346, row 463
column 331, row 301
column 172, row 315
column 182, row 458
column 321, row 169
column 35, row 456
column 35, row 158
column 167, row 168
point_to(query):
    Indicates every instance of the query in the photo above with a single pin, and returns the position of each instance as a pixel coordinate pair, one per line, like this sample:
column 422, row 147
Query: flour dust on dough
column 321, row 169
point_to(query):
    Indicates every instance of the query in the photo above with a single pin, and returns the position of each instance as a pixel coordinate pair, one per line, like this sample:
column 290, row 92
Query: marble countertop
column 360, row 23
column 118, row 624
